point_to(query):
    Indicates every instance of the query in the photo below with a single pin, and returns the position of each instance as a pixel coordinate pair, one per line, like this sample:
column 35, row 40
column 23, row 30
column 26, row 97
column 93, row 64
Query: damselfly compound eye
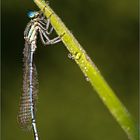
column 32, row 14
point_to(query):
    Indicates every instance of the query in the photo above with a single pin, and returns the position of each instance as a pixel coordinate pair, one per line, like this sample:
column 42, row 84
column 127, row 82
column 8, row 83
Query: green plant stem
column 91, row 72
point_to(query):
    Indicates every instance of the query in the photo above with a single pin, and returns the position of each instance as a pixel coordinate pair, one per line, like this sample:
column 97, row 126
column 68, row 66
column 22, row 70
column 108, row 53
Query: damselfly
column 38, row 25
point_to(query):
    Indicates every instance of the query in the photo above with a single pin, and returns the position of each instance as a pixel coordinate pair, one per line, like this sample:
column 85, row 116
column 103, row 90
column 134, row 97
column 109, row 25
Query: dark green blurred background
column 68, row 108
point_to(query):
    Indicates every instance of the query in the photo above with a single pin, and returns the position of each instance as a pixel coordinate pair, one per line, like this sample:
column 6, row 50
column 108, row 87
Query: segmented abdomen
column 24, row 114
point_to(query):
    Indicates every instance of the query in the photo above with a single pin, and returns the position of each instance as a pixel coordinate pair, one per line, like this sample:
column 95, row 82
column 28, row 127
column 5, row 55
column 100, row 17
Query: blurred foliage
column 68, row 109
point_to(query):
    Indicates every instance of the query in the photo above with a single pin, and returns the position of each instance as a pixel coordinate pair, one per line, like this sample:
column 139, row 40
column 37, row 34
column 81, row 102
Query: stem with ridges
column 91, row 72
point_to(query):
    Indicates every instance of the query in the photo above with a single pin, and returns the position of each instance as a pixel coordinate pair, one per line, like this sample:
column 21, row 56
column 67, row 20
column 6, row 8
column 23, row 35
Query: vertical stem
column 93, row 75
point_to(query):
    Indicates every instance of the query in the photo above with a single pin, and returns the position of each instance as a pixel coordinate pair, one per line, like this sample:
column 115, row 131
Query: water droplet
column 77, row 55
column 85, row 68
column 87, row 79
column 82, row 64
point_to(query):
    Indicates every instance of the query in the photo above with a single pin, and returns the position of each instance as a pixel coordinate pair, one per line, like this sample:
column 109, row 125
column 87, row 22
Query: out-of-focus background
column 68, row 108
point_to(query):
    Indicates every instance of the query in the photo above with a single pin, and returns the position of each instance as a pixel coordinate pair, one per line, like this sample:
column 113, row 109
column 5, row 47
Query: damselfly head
column 32, row 14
